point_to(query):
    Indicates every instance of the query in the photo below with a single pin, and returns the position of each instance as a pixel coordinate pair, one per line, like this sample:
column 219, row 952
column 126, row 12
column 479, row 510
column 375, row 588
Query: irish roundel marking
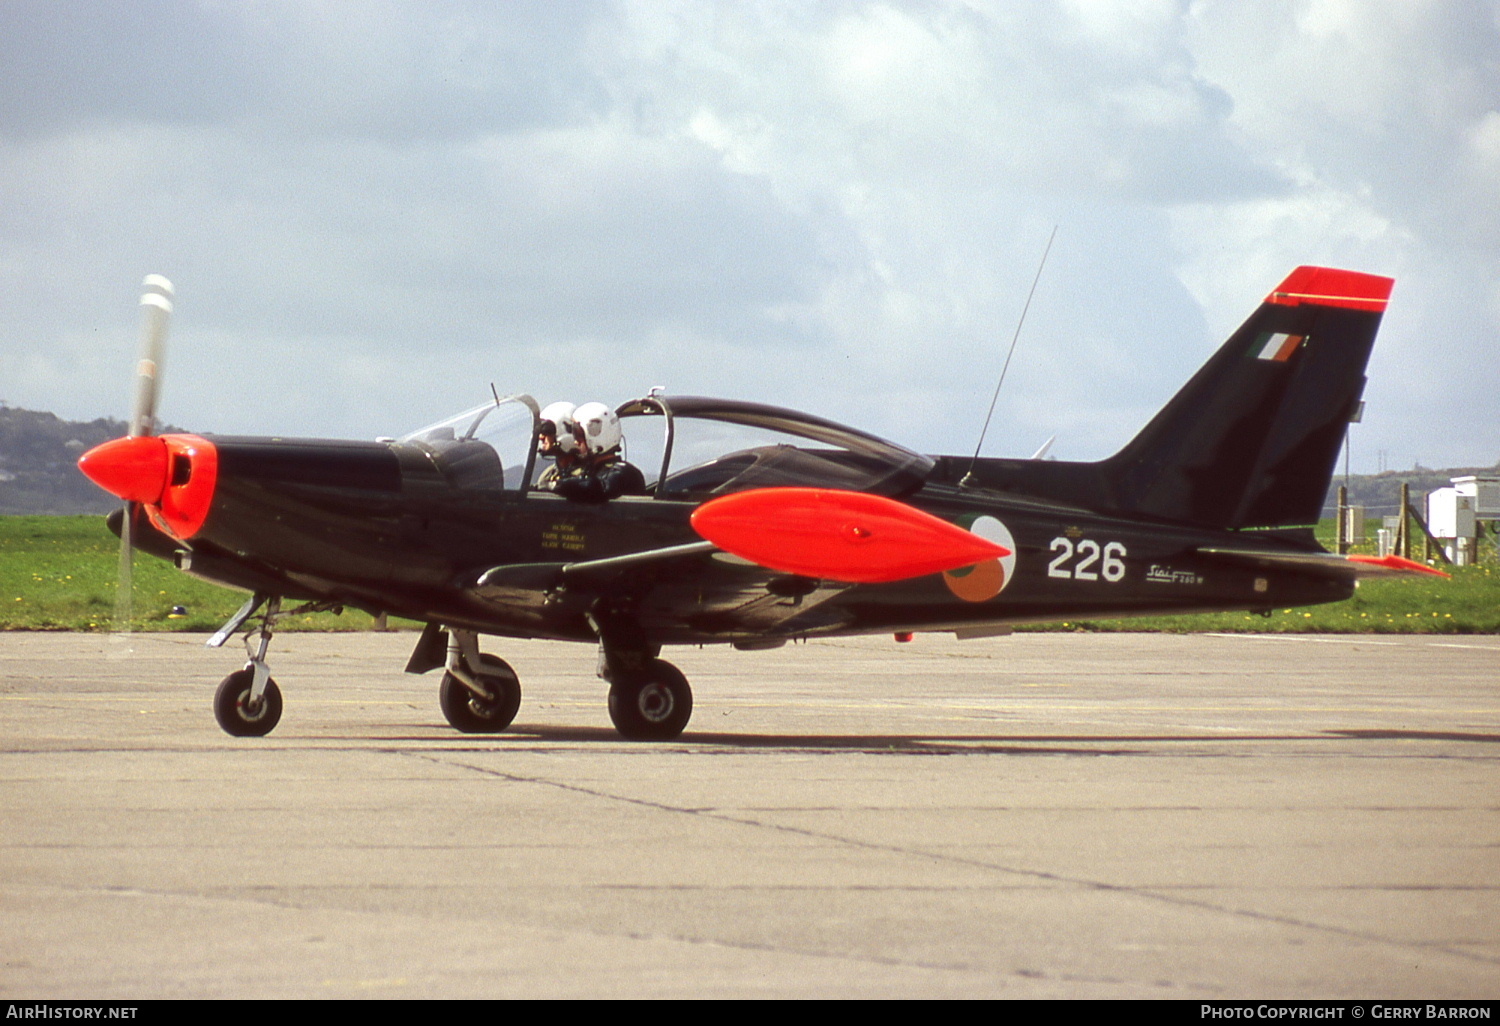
column 983, row 581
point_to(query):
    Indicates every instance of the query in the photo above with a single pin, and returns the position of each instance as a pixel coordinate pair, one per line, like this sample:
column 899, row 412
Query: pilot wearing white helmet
column 557, row 440
column 603, row 474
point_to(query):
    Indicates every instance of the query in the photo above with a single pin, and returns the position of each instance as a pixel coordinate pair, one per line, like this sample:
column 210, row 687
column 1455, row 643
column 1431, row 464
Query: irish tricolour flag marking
column 1277, row 347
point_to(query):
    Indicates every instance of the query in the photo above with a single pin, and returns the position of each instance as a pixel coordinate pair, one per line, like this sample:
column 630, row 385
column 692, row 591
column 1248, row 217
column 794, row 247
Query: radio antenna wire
column 968, row 480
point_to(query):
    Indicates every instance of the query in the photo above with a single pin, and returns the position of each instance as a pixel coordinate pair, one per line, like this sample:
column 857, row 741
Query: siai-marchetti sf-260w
column 756, row 525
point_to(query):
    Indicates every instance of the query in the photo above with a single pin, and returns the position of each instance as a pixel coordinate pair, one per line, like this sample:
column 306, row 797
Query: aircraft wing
column 770, row 559
column 531, row 577
column 523, row 583
column 1326, row 563
column 693, row 588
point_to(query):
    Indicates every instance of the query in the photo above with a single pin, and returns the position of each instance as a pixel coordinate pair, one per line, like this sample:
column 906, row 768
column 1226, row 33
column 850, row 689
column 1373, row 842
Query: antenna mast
column 968, row 480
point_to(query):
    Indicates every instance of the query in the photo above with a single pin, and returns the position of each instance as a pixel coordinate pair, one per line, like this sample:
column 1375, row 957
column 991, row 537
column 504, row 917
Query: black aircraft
column 758, row 525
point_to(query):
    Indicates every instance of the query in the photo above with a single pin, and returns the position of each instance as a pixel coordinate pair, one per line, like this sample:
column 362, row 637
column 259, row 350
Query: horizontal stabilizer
column 1382, row 565
column 1328, row 562
column 838, row 535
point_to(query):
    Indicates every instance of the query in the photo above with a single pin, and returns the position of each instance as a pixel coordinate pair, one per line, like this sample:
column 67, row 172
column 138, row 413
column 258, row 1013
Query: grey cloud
column 386, row 71
column 832, row 205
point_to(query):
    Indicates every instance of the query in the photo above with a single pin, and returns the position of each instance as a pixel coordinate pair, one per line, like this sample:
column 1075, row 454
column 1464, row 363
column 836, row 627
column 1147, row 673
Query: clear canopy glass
column 492, row 446
column 709, row 447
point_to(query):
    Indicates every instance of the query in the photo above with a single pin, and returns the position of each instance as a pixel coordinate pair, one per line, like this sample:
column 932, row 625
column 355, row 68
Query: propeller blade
column 156, row 311
column 838, row 535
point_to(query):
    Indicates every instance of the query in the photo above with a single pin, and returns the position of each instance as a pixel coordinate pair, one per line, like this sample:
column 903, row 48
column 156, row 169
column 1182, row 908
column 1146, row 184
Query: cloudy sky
column 372, row 211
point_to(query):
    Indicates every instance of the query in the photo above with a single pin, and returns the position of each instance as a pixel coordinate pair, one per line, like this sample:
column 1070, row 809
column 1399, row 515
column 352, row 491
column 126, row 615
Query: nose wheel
column 239, row 712
column 248, row 702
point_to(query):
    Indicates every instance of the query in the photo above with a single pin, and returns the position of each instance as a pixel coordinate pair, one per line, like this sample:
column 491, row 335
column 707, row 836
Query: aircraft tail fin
column 1251, row 441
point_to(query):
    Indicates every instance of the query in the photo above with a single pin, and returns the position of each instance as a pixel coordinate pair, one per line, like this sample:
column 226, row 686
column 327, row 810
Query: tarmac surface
column 1043, row 815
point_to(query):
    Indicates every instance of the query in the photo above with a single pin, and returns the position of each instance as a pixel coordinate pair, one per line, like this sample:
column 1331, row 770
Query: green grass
column 58, row 573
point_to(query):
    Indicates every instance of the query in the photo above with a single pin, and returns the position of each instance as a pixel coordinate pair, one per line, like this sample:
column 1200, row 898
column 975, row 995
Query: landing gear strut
column 248, row 702
column 480, row 693
column 649, row 698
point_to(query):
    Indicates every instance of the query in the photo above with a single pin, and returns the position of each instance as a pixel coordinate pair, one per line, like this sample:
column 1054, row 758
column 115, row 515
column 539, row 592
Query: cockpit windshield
column 492, row 446
column 687, row 448
column 706, row 447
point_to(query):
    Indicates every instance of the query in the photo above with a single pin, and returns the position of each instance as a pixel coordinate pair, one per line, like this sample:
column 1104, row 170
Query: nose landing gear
column 240, row 712
column 248, row 702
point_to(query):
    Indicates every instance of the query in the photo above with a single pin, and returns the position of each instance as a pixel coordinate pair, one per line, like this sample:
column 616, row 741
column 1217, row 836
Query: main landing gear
column 649, row 698
column 652, row 703
column 480, row 693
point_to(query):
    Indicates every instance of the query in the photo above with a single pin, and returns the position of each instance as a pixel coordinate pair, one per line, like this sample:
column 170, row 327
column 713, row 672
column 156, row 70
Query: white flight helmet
column 559, row 420
column 600, row 426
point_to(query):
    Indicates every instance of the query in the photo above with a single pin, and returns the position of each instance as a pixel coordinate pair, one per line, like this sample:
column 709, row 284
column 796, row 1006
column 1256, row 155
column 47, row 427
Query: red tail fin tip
column 1329, row 286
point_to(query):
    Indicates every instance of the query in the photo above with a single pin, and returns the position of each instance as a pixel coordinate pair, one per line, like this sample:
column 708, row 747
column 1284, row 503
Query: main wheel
column 469, row 713
column 236, row 714
column 651, row 706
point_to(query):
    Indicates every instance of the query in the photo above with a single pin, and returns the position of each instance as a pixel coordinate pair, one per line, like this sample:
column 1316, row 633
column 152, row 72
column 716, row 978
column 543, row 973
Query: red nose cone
column 135, row 469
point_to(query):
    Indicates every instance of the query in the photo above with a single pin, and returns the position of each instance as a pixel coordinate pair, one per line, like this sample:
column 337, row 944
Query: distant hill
column 39, row 469
column 39, row 462
column 1380, row 494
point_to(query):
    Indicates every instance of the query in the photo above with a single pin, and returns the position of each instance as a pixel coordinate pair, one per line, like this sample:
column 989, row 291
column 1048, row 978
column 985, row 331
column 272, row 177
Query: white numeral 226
column 1092, row 562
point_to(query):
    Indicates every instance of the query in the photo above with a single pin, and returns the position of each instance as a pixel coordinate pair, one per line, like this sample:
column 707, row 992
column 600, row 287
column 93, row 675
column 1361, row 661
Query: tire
column 470, row 714
column 654, row 705
column 231, row 706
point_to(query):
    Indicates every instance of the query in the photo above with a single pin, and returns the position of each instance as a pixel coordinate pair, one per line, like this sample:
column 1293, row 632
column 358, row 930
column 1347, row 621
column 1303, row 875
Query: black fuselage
column 371, row 525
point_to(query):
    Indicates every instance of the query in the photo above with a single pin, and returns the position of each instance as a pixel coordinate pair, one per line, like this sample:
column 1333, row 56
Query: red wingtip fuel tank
column 843, row 536
column 172, row 475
